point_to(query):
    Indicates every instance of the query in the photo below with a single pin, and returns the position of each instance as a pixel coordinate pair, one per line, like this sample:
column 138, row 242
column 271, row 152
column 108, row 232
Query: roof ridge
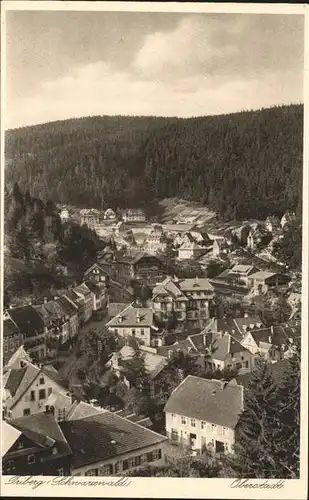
column 117, row 315
column 27, row 387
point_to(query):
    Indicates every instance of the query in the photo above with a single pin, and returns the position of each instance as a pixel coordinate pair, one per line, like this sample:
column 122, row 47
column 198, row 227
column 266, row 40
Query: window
column 173, row 416
column 20, row 445
column 32, row 396
column 137, row 461
column 42, row 394
column 26, row 412
column 10, row 466
column 213, row 427
column 91, row 472
column 142, row 331
column 61, row 413
column 105, row 470
column 49, row 391
column 203, row 424
column 149, row 457
column 174, row 435
column 60, row 471
column 116, row 331
column 42, row 381
column 31, row 459
column 133, row 332
column 246, row 364
column 125, row 465
column 183, row 420
column 143, row 458
column 192, row 422
column 131, row 462
column 225, row 431
column 6, row 348
column 157, row 454
column 117, row 467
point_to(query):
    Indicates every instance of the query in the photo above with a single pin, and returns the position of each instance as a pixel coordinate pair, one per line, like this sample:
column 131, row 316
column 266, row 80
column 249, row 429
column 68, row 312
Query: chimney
column 246, row 315
column 45, row 300
column 138, row 318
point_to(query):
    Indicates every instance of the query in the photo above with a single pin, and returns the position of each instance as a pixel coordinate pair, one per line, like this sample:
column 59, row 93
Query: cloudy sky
column 70, row 64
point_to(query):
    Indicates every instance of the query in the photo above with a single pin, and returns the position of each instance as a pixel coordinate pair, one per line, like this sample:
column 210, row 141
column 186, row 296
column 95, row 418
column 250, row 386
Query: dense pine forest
column 242, row 165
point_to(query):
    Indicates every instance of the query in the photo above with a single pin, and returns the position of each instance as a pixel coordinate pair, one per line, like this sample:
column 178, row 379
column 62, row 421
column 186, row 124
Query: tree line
column 242, row 165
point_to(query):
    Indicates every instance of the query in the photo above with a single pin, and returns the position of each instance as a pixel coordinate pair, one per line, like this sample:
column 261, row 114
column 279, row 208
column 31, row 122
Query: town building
column 237, row 327
column 287, row 219
column 140, row 266
column 12, row 339
column 134, row 215
column 17, row 360
column 270, row 342
column 38, row 447
column 97, row 274
column 237, row 274
column 190, row 250
column 32, row 329
column 25, row 389
column 272, row 224
column 99, row 295
column 202, row 413
column 220, row 247
column 137, row 322
column 110, row 215
column 154, row 365
column 211, row 351
column 72, row 312
column 85, row 302
column 156, row 240
column 58, row 320
column 105, row 444
column 265, row 280
column 183, row 300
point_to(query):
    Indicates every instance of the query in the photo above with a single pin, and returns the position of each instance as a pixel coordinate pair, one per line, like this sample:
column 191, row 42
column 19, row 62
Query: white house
column 137, row 322
column 204, row 413
column 26, row 389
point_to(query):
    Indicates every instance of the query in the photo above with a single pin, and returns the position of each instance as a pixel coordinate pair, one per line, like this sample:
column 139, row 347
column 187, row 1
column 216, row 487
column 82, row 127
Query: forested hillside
column 38, row 246
column 247, row 164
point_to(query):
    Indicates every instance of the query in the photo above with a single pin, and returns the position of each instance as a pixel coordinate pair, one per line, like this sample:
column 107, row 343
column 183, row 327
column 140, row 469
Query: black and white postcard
column 154, row 250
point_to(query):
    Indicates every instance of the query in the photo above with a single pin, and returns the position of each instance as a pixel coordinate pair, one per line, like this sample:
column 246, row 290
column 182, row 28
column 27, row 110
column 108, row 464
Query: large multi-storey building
column 183, row 301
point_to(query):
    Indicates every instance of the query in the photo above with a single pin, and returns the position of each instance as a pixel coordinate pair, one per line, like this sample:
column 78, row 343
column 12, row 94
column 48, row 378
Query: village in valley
column 143, row 361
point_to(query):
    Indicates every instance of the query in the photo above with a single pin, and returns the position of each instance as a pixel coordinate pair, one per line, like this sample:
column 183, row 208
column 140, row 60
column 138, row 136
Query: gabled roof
column 55, row 309
column 170, row 287
column 17, row 357
column 250, row 322
column 223, row 344
column 208, row 400
column 95, row 289
column 195, row 284
column 262, row 275
column 127, row 317
column 104, row 436
column 9, row 436
column 27, row 319
column 41, row 426
column 72, row 296
column 154, row 363
column 95, row 266
column 9, row 327
column 67, row 304
column 115, row 308
column 14, row 379
column 242, row 269
column 29, row 374
column 82, row 289
column 276, row 336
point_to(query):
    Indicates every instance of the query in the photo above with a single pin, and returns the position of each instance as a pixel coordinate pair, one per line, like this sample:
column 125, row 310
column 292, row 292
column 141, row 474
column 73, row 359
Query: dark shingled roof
column 206, row 400
column 9, row 328
column 105, row 435
column 27, row 319
column 39, row 427
column 68, row 306
column 15, row 377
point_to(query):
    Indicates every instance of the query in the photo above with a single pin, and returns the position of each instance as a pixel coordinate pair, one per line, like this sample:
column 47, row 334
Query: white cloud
column 189, row 46
column 95, row 89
